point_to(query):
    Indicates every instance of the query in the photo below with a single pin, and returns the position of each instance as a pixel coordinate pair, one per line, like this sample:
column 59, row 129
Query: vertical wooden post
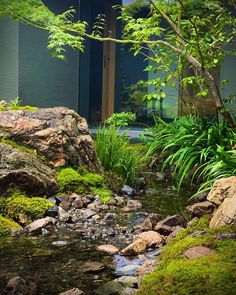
column 109, row 57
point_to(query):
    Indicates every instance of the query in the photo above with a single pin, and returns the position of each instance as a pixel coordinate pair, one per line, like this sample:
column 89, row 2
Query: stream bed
column 57, row 267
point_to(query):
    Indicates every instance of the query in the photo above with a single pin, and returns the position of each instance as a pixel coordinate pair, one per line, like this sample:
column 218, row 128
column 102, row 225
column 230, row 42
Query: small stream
column 56, row 269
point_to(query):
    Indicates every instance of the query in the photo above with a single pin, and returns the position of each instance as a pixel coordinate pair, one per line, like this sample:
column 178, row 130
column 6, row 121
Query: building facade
column 101, row 80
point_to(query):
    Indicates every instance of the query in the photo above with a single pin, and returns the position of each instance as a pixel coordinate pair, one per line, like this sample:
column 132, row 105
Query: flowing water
column 57, row 269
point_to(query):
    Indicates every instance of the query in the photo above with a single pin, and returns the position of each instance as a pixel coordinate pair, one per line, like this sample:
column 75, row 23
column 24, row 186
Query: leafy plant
column 121, row 119
column 197, row 149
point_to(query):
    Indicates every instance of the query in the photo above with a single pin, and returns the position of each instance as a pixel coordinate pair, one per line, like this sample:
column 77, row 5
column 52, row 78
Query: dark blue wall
column 8, row 59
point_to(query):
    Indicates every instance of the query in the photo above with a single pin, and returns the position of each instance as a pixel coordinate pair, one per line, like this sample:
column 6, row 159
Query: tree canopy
column 187, row 33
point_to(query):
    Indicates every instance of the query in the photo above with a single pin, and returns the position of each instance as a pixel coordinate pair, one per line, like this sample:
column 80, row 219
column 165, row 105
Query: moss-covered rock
column 6, row 225
column 213, row 274
column 81, row 181
column 33, row 208
column 25, row 171
column 103, row 193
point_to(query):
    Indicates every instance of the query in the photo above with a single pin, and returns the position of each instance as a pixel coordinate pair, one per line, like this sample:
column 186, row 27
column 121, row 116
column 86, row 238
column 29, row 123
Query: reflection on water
column 56, row 269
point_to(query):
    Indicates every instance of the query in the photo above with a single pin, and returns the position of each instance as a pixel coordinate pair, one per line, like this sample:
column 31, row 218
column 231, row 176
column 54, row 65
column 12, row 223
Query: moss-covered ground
column 212, row 275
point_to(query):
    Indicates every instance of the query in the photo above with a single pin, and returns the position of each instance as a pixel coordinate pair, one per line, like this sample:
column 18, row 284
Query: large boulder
column 24, row 171
column 59, row 134
column 222, row 188
column 225, row 214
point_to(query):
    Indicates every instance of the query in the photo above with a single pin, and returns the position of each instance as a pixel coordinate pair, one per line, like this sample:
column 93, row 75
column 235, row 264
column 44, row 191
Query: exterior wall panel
column 8, row 59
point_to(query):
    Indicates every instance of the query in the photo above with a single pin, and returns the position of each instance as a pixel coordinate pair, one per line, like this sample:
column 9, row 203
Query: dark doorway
column 96, row 70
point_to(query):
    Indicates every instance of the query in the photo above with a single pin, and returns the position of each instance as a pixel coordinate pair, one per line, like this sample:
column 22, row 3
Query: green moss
column 93, row 179
column 6, row 225
column 70, row 180
column 214, row 274
column 33, row 208
column 22, row 148
column 21, row 108
column 104, row 194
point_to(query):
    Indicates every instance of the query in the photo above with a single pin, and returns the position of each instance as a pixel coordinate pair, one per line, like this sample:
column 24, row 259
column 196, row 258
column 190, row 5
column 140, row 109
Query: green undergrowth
column 18, row 108
column 22, row 147
column 17, row 203
column 6, row 225
column 15, row 105
column 213, row 275
column 81, row 181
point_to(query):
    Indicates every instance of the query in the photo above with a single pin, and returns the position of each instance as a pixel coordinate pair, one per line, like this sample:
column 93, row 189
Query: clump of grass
column 117, row 154
column 213, row 274
column 197, row 149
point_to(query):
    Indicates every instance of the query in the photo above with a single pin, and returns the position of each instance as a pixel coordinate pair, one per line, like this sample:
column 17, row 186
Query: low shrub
column 6, row 225
column 213, row 274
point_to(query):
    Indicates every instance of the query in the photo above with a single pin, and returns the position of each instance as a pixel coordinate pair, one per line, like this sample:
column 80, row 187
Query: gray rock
column 110, row 217
column 74, row 291
column 37, row 226
column 134, row 204
column 172, row 235
column 173, row 221
column 52, row 211
column 60, row 243
column 63, row 215
column 24, row 171
column 201, row 209
column 128, row 191
column 59, row 134
column 127, row 270
column 93, row 266
column 197, row 252
column 87, row 213
column 17, row 286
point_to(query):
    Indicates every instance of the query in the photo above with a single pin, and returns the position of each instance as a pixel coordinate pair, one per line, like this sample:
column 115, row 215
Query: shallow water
column 57, row 269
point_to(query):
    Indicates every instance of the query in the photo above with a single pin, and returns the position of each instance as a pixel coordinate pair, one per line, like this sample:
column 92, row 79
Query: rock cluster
column 220, row 203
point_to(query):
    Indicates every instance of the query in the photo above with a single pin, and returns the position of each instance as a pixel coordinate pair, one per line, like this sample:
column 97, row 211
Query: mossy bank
column 213, row 275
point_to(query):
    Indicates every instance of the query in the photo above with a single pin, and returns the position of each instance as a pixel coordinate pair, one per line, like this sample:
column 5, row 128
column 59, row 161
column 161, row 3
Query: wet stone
column 93, row 266
column 128, row 191
column 108, row 249
column 52, row 211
